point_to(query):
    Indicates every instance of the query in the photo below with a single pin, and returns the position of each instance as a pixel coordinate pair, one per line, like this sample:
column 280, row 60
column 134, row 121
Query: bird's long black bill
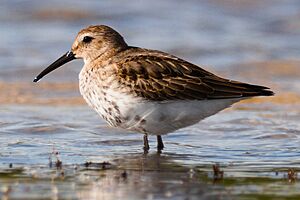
column 67, row 57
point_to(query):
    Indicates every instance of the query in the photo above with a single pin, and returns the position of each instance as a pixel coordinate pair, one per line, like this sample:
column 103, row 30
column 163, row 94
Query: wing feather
column 161, row 78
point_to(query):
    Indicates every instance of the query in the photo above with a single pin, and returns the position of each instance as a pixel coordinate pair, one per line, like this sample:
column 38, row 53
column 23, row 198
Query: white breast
column 105, row 97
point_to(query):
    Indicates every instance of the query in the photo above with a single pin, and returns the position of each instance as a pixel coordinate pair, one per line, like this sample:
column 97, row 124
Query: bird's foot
column 160, row 144
column 146, row 144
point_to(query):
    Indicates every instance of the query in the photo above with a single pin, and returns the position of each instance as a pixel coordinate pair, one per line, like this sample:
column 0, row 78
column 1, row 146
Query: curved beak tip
column 67, row 57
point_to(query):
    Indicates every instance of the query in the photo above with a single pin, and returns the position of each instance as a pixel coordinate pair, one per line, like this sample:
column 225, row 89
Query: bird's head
column 91, row 43
column 97, row 41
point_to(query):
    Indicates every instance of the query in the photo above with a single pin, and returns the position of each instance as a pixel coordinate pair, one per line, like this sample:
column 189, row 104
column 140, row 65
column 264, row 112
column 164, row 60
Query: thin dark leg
column 146, row 144
column 160, row 144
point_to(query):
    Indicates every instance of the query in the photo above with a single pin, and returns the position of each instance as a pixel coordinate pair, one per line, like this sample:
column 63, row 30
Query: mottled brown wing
column 167, row 78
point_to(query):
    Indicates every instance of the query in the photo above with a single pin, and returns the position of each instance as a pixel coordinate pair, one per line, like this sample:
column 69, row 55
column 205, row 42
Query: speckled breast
column 101, row 90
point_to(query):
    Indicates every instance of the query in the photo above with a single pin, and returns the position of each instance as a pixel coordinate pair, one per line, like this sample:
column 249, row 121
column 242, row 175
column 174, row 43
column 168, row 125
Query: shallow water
column 255, row 143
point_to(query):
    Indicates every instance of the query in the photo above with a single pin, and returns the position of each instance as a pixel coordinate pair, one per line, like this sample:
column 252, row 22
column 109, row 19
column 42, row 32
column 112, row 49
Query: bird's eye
column 87, row 39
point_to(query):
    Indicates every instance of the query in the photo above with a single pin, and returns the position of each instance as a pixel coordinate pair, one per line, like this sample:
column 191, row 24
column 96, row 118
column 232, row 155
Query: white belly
column 160, row 118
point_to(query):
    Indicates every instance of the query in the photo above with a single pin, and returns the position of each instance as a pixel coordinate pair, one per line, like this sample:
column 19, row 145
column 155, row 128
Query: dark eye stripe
column 87, row 39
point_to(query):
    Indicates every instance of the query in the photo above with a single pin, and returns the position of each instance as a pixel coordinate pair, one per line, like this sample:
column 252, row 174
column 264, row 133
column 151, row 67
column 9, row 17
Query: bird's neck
column 105, row 56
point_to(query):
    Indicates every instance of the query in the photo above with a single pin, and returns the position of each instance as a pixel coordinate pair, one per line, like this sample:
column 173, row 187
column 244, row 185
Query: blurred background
column 255, row 41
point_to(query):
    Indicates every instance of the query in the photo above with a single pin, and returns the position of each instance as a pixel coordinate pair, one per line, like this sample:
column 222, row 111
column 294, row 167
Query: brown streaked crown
column 97, row 41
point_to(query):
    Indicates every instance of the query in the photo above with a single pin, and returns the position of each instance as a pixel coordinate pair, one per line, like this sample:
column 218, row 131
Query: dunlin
column 145, row 90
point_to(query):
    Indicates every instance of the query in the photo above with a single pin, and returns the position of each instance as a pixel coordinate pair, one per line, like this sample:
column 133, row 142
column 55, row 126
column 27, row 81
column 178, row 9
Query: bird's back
column 159, row 76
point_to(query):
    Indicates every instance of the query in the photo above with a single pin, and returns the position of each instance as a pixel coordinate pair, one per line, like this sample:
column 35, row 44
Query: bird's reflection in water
column 145, row 176
column 150, row 162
